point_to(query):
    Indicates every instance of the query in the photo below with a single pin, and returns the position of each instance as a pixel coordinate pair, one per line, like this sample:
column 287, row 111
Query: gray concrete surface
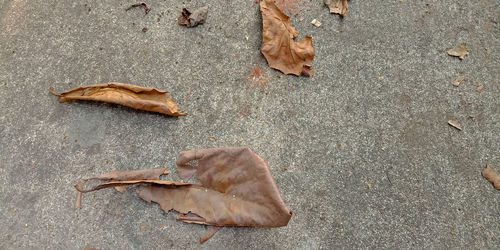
column 363, row 161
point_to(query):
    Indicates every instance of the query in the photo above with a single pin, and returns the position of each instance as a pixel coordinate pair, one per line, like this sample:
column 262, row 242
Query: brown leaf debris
column 491, row 176
column 192, row 19
column 235, row 188
column 460, row 51
column 138, row 97
column 337, row 6
column 278, row 45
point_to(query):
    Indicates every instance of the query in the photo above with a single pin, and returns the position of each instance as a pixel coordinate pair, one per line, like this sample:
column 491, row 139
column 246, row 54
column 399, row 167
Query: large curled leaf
column 279, row 48
column 235, row 189
column 138, row 97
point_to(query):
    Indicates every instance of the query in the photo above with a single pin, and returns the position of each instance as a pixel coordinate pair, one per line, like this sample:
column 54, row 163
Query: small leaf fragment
column 458, row 80
column 133, row 96
column 454, row 124
column 460, row 51
column 278, row 45
column 337, row 6
column 192, row 19
column 491, row 176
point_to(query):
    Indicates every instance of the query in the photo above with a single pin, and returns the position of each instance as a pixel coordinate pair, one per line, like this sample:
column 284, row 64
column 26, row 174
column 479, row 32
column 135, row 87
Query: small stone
column 316, row 23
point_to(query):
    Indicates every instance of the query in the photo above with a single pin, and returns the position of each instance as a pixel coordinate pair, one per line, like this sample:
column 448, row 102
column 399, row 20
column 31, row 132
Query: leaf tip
column 52, row 91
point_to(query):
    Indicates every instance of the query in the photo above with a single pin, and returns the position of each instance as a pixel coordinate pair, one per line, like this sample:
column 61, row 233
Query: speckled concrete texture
column 361, row 152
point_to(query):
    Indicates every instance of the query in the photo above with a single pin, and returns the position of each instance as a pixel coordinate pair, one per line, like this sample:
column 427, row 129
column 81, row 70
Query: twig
column 146, row 9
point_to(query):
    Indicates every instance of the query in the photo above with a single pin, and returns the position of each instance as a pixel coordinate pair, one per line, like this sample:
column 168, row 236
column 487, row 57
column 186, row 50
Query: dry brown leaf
column 191, row 19
column 337, row 6
column 279, row 48
column 236, row 189
column 491, row 176
column 454, row 124
column 143, row 98
column 460, row 51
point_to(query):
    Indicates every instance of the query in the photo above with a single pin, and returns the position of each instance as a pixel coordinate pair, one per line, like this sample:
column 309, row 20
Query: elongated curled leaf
column 138, row 97
column 278, row 45
column 235, row 188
